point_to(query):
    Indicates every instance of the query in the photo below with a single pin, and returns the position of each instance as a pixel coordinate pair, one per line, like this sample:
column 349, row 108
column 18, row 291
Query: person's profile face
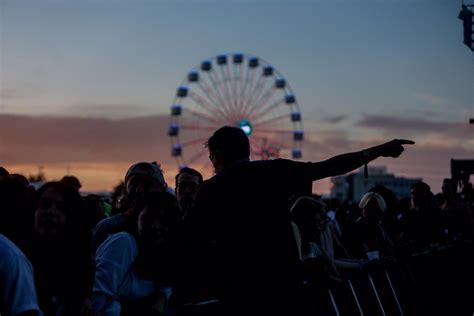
column 216, row 161
column 417, row 197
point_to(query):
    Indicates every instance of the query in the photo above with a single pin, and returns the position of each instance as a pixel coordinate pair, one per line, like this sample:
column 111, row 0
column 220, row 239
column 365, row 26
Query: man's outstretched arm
column 344, row 163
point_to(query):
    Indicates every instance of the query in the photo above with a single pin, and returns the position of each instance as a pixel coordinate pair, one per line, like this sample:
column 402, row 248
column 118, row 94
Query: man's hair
column 3, row 172
column 422, row 186
column 190, row 171
column 231, row 142
column 71, row 180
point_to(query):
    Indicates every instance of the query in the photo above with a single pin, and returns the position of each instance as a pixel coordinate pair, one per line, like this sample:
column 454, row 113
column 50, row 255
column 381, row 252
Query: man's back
column 242, row 215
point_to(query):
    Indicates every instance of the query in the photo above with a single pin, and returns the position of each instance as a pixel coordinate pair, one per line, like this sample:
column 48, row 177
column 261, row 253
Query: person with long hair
column 126, row 261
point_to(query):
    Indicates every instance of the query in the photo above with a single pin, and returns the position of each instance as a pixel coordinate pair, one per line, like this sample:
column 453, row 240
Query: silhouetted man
column 187, row 184
column 240, row 223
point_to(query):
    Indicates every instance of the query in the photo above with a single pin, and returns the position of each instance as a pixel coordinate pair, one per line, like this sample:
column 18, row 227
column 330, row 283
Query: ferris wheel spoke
column 273, row 142
column 253, row 97
column 198, row 127
column 266, row 110
column 258, row 88
column 225, row 86
column 212, row 98
column 201, row 140
column 249, row 80
column 232, row 83
column 238, row 86
column 249, row 93
column 221, row 103
column 270, row 120
column 206, row 106
column 198, row 156
column 273, row 131
column 206, row 117
column 243, row 84
column 215, row 82
column 259, row 103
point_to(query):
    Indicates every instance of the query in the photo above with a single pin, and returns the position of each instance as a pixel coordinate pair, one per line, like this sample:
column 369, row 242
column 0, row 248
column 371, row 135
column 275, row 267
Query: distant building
column 353, row 186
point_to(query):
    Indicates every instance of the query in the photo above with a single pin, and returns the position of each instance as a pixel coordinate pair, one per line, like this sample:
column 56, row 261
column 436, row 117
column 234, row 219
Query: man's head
column 72, row 181
column 3, row 173
column 420, row 194
column 144, row 177
column 226, row 146
column 448, row 189
column 188, row 182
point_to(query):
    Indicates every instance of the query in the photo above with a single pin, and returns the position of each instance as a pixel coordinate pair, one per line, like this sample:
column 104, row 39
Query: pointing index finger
column 405, row 142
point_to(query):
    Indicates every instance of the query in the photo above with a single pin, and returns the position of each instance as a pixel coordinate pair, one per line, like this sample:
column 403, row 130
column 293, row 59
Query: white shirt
column 17, row 287
column 113, row 260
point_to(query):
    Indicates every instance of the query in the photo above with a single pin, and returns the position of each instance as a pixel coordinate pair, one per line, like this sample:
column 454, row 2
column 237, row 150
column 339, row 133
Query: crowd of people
column 245, row 241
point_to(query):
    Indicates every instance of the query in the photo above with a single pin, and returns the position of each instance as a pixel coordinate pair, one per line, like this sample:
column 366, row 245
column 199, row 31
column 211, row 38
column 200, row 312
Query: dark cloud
column 413, row 126
column 336, row 118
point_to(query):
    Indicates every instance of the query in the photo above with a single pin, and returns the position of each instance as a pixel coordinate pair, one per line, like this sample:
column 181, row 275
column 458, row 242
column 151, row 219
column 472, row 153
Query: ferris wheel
column 235, row 90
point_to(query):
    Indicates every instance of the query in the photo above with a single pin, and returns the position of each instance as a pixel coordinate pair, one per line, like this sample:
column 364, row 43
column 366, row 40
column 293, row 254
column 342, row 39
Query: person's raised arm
column 344, row 163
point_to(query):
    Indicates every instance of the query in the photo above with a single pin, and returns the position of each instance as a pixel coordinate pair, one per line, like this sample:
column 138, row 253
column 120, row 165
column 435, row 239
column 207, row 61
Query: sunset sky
column 86, row 86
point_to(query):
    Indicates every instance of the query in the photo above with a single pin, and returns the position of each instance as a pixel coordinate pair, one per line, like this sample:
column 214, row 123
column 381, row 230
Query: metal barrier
column 424, row 283
column 430, row 283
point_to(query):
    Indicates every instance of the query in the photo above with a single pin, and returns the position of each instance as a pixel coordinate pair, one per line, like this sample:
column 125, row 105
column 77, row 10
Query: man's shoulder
column 7, row 247
column 120, row 237
column 10, row 254
column 110, row 221
column 120, row 240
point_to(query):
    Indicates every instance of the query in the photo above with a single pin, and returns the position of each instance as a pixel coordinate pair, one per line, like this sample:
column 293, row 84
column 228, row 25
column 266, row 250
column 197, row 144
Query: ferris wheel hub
column 246, row 127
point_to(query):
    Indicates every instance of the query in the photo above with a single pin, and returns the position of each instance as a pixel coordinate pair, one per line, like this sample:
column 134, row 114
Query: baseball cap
column 373, row 195
column 147, row 169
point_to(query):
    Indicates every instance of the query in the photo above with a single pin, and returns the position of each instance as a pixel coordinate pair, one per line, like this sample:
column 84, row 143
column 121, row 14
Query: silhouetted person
column 141, row 178
column 124, row 258
column 420, row 225
column 240, row 224
column 72, row 181
column 17, row 287
column 370, row 234
column 61, row 254
column 188, row 182
column 3, row 173
column 456, row 212
column 95, row 209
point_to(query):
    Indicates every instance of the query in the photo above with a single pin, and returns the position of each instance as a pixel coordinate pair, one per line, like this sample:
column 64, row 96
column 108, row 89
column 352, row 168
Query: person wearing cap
column 371, row 236
column 141, row 178
column 242, row 239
